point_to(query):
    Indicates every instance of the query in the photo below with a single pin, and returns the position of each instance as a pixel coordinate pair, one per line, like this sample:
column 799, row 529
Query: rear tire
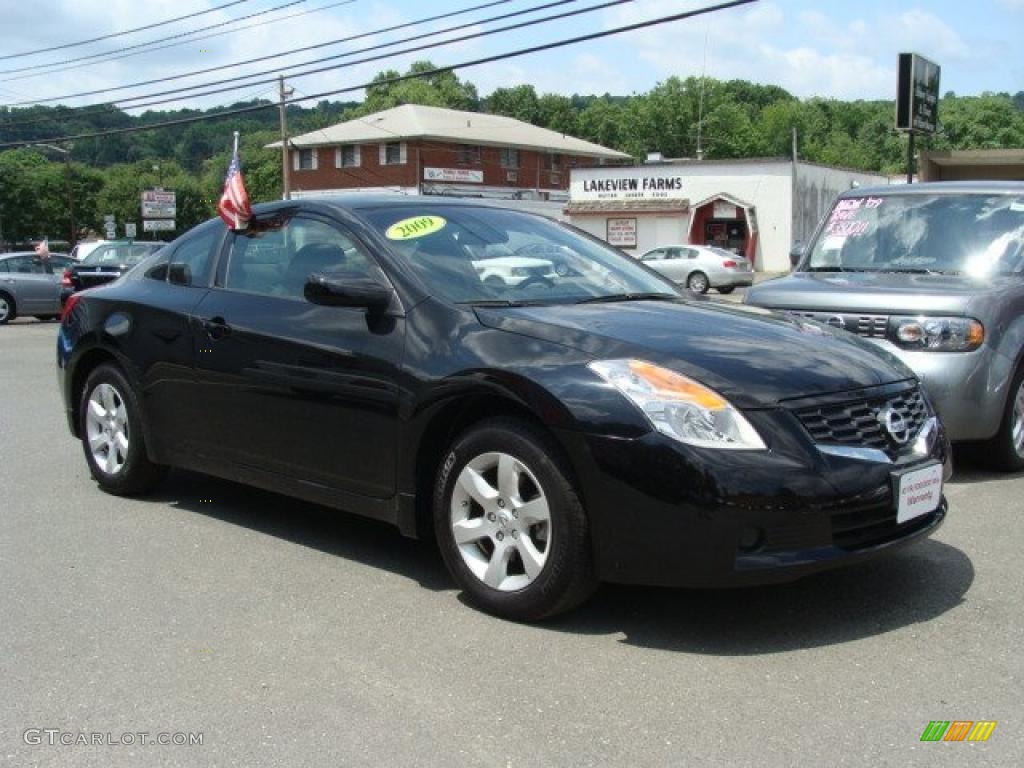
column 698, row 282
column 727, row 289
column 110, row 423
column 8, row 309
column 510, row 525
column 1005, row 451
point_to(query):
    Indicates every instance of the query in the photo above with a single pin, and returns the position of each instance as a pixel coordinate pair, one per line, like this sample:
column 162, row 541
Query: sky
column 828, row 48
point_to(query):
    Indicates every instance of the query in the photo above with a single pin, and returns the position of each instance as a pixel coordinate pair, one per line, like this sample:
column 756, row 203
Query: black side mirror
column 796, row 253
column 179, row 274
column 347, row 292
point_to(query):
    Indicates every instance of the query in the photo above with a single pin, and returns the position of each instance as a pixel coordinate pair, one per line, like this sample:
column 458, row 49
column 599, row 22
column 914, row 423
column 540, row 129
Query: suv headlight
column 680, row 407
column 936, row 334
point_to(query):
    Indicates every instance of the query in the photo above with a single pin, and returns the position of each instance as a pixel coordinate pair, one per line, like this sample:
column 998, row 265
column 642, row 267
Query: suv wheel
column 510, row 524
column 1007, row 447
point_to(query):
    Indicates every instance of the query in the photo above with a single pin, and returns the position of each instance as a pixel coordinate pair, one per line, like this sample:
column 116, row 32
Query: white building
column 756, row 207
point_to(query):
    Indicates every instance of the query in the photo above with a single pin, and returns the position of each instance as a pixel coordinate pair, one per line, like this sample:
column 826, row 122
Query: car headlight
column 936, row 334
column 680, row 407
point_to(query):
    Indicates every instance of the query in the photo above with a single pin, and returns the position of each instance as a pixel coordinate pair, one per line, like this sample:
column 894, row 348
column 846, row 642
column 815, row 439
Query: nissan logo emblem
column 836, row 321
column 894, row 423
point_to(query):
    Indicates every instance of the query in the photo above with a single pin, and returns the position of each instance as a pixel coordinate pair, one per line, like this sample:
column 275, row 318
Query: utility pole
column 910, row 157
column 286, row 184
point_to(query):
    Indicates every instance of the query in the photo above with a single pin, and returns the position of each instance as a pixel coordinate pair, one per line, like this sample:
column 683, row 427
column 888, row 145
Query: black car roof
column 942, row 187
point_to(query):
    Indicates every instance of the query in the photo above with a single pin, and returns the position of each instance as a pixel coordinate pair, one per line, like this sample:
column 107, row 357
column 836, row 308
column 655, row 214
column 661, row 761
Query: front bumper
column 666, row 514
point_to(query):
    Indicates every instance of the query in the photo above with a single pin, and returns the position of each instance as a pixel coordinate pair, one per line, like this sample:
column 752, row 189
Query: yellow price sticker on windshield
column 417, row 226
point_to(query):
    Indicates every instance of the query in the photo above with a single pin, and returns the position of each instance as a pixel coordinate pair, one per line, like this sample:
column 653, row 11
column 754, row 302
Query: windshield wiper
column 612, row 297
column 502, row 303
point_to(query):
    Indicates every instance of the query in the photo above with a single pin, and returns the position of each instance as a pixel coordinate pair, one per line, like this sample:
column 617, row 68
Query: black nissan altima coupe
column 550, row 430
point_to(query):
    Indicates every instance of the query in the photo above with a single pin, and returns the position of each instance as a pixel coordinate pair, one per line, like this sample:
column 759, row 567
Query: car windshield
column 117, row 254
column 478, row 255
column 973, row 234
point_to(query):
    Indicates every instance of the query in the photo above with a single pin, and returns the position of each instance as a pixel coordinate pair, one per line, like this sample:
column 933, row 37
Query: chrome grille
column 856, row 422
column 868, row 326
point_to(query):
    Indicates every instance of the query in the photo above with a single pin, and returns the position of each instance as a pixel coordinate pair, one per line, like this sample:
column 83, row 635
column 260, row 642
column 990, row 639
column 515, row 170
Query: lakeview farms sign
column 629, row 188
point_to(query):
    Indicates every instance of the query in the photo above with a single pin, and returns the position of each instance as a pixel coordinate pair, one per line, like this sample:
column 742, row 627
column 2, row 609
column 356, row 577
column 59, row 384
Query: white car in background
column 700, row 267
column 514, row 270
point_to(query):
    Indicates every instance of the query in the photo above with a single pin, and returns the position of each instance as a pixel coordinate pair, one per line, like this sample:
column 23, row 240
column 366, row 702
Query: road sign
column 129, row 229
column 159, row 204
column 157, row 225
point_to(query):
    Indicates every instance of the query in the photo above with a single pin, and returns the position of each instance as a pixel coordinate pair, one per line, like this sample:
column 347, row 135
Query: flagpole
column 236, row 143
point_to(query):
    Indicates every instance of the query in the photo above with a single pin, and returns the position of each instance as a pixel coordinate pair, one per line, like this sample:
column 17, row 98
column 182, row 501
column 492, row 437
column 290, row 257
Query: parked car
column 84, row 247
column 513, row 270
column 30, row 285
column 104, row 263
column 933, row 274
column 550, row 434
column 700, row 267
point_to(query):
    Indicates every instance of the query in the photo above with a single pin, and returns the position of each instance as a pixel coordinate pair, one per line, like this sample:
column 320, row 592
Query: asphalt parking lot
column 291, row 635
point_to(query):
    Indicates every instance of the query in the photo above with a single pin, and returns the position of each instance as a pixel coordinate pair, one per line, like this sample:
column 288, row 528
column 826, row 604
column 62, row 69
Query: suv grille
column 856, row 423
column 868, row 326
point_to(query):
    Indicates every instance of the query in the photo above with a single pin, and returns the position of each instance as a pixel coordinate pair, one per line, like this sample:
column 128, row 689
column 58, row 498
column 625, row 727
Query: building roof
column 660, row 205
column 415, row 121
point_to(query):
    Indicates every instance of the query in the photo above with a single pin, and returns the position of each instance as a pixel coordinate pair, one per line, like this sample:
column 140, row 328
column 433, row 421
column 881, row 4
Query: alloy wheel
column 698, row 283
column 5, row 309
column 106, row 423
column 1018, row 421
column 501, row 521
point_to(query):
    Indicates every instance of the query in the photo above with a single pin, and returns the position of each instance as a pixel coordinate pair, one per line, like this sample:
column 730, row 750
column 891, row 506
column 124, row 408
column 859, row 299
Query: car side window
column 655, row 255
column 279, row 261
column 690, row 253
column 190, row 261
column 672, row 253
column 26, row 265
column 3, row 266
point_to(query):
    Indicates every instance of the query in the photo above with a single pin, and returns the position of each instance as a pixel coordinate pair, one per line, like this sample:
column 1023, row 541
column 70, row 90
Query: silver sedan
column 700, row 267
column 30, row 285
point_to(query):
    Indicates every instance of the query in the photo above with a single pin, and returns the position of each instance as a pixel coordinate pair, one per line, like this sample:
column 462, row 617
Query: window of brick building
column 393, row 153
column 304, row 160
column 347, row 156
column 509, row 158
column 468, row 154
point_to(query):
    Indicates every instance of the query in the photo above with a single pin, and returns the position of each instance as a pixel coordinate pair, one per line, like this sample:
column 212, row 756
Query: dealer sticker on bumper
column 919, row 492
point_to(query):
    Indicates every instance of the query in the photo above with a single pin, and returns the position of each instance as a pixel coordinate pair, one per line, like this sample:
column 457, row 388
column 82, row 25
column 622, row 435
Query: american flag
column 234, row 205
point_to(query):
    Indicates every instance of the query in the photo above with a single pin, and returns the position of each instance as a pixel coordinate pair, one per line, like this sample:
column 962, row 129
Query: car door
column 160, row 343
column 673, row 266
column 300, row 390
column 35, row 287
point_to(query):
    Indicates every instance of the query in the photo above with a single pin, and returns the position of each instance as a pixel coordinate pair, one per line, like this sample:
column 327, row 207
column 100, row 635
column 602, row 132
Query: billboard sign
column 621, row 232
column 157, row 225
column 159, row 204
column 917, row 94
column 463, row 175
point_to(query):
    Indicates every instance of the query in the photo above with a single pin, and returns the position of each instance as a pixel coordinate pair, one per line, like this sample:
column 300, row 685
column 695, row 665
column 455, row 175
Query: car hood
column 881, row 292
column 754, row 357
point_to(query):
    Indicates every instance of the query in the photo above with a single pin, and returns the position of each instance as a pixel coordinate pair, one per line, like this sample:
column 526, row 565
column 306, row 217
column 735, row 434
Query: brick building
column 429, row 150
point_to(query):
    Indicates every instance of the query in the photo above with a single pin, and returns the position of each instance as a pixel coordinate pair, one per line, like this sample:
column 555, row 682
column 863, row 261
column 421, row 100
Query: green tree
column 520, row 102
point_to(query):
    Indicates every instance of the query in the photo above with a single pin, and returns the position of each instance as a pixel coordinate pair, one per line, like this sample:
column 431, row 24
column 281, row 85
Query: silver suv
column 934, row 274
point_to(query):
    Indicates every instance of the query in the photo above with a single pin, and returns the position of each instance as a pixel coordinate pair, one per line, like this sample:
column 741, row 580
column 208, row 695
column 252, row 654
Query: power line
column 86, row 111
column 411, row 76
column 123, row 32
column 148, row 44
column 285, row 53
column 367, row 59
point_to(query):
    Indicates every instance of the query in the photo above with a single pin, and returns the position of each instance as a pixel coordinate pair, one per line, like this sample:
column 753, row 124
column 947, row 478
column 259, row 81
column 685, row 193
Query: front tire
column 1006, row 449
column 727, row 289
column 510, row 525
column 110, row 423
column 8, row 310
